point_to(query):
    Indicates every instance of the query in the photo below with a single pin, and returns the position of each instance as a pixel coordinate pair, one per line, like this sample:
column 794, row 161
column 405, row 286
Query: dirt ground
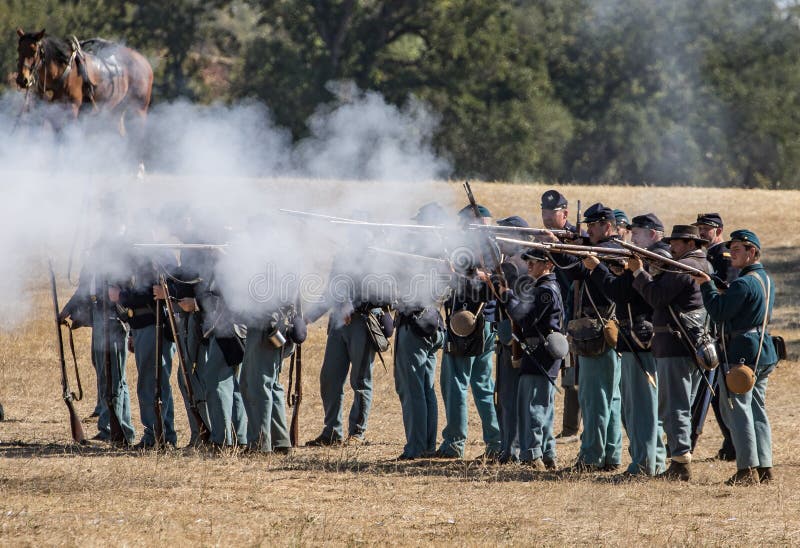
column 55, row 493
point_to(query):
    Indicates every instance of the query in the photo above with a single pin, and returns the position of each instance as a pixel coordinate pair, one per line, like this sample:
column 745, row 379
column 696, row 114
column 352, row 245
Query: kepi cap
column 598, row 212
column 648, row 220
column 745, row 236
column 553, row 199
column 709, row 219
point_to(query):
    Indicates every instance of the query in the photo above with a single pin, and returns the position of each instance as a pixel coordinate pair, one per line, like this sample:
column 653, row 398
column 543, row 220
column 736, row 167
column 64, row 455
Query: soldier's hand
column 188, row 304
column 158, row 292
column 701, row 278
column 591, row 262
column 634, row 264
column 547, row 237
column 113, row 293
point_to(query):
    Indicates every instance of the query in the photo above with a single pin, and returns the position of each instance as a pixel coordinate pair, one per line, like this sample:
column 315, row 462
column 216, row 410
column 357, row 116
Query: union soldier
column 639, row 395
column 598, row 391
column 351, row 297
column 106, row 265
column 745, row 309
column 710, row 227
column 537, row 314
column 274, row 325
column 623, row 225
column 555, row 216
column 673, row 293
column 143, row 299
column 213, row 348
column 467, row 360
column 507, row 375
column 419, row 333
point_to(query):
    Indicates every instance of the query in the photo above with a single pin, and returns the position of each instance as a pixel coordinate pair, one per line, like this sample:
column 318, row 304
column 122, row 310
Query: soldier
column 598, row 391
column 213, row 348
column 745, row 309
column 419, row 335
column 467, row 360
column 351, row 298
column 623, row 225
column 710, row 227
column 106, row 265
column 537, row 314
column 143, row 299
column 639, row 394
column 671, row 294
column 555, row 216
column 275, row 323
column 507, row 376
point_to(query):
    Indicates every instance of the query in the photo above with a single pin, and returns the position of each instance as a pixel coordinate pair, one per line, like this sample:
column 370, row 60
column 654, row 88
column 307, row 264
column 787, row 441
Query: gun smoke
column 226, row 166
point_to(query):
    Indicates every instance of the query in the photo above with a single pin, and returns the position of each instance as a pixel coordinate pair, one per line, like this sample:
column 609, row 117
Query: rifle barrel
column 408, row 255
column 181, row 246
column 320, row 216
column 660, row 258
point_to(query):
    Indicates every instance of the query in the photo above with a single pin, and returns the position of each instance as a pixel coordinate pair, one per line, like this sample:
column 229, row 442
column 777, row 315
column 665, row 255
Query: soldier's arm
column 724, row 306
column 661, row 291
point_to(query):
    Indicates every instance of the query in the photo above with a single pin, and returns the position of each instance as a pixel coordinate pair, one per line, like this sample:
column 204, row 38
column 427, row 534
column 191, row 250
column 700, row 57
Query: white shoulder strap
column 766, row 290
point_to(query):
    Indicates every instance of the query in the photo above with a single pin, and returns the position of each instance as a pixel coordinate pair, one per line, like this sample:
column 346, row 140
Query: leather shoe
column 743, row 477
column 765, row 474
column 677, row 471
column 324, row 441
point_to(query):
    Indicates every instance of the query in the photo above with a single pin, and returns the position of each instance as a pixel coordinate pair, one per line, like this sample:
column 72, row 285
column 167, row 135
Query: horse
column 95, row 75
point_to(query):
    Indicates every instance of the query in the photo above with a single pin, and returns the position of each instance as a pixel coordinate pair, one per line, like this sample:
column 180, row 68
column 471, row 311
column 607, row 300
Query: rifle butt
column 78, row 435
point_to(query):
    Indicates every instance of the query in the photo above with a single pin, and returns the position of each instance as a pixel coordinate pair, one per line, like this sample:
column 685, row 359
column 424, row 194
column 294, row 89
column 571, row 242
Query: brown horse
column 94, row 75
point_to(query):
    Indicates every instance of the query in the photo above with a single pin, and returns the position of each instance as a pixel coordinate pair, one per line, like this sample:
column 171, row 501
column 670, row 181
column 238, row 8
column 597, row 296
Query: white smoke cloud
column 222, row 163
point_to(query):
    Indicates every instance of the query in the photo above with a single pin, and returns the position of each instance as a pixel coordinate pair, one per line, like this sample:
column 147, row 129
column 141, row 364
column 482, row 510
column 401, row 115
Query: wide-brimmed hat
column 685, row 232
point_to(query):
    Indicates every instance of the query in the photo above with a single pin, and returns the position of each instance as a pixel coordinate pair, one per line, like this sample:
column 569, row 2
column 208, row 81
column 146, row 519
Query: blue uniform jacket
column 742, row 309
column 543, row 309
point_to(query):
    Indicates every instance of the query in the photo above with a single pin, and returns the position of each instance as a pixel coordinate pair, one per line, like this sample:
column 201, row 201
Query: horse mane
column 55, row 49
column 97, row 45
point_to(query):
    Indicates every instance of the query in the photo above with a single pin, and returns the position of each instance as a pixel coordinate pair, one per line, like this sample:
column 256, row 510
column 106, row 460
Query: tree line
column 697, row 92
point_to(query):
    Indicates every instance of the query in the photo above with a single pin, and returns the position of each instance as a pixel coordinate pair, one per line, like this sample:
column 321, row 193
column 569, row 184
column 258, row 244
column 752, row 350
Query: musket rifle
column 203, row 430
column 115, row 426
column 78, row 435
column 527, row 349
column 158, row 427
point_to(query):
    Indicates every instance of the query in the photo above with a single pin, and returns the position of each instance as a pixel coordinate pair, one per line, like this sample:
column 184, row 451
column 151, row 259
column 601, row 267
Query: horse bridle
column 36, row 65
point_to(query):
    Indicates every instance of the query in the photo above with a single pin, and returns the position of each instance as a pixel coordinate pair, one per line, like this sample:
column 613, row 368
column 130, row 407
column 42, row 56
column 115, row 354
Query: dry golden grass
column 52, row 492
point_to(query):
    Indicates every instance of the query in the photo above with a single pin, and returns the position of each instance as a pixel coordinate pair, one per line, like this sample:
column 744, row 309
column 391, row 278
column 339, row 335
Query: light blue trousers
column 347, row 345
column 414, row 377
column 195, row 354
column 507, row 386
column 600, row 401
column 144, row 347
column 746, row 416
column 225, row 406
column 263, row 394
column 120, row 395
column 678, row 379
column 458, row 374
column 640, row 411
column 536, row 411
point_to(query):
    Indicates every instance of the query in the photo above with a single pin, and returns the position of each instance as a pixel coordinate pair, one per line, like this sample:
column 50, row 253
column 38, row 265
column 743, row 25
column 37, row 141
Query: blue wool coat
column 741, row 308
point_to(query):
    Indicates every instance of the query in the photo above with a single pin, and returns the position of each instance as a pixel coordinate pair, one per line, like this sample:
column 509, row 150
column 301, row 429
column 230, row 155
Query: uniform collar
column 751, row 268
column 546, row 278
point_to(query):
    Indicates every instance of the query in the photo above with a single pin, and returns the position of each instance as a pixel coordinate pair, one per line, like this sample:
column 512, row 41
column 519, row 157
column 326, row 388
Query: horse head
column 29, row 56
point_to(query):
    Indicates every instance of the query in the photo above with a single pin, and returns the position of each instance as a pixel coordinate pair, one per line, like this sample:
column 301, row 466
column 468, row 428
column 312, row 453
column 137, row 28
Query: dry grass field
column 54, row 493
